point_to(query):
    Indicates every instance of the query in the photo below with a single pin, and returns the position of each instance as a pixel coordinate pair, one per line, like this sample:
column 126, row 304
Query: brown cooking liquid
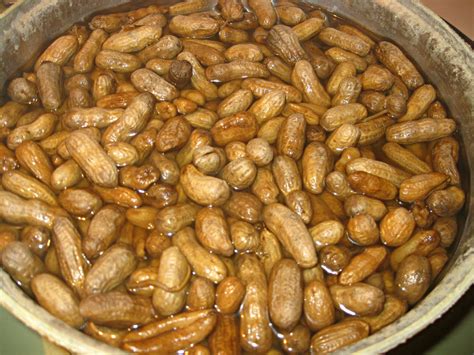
column 136, row 236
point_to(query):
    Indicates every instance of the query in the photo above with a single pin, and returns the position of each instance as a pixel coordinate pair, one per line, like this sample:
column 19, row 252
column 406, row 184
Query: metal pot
column 27, row 26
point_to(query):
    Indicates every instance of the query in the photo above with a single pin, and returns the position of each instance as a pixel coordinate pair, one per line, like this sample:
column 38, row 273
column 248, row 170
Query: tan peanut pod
column 188, row 7
column 40, row 128
column 304, row 79
column 202, row 118
column 291, row 232
column 209, row 160
column 394, row 59
column 337, row 184
column 346, row 156
column 58, row 299
column 255, row 332
column 356, row 32
column 419, row 102
column 268, row 106
column 447, row 228
column 437, row 259
column 319, row 311
column 123, row 154
column 317, row 163
column 168, row 168
column 203, row 263
column 446, row 203
column 244, row 236
column 237, row 69
column 198, row 78
column 28, row 187
column 343, row 70
column 339, row 335
column 244, row 206
column 325, row 233
column 363, row 265
column 343, row 137
column 347, row 92
column 377, row 168
column 143, row 217
column 159, row 66
column 372, row 185
column 359, row 299
column 363, row 230
column 168, row 303
column 285, row 292
column 103, row 231
column 194, row 26
column 377, row 78
column 413, row 278
column 212, row 231
column 266, row 15
column 107, row 335
column 231, row 10
column 259, row 151
column 233, row 36
column 444, row 157
column 84, row 59
column 202, row 189
column 278, row 68
column 249, row 22
column 190, row 329
column 229, row 295
column 396, row 227
column 437, row 110
column 418, row 187
column 173, row 218
column 92, row 159
column 340, row 55
column 110, row 270
column 38, row 239
column 199, row 138
column 300, row 203
column 194, row 96
column 34, row 159
column 373, row 130
column 50, row 82
column 393, row 309
column 67, row 243
column 201, row 294
column 359, row 204
column 244, row 51
column 225, row 337
column 311, row 112
column 236, row 102
column 104, row 85
column 406, row 159
column 205, row 54
column 338, row 115
column 346, row 41
column 90, row 117
column 239, row 127
column 284, row 43
column 421, row 243
column 289, row 14
column 227, row 89
column 173, row 271
column 118, row 100
column 269, row 251
column 307, row 29
column 34, row 212
column 59, row 52
column 116, row 309
column 260, row 87
column 167, row 47
column 22, row 91
column 269, row 130
column 51, row 143
column 10, row 113
column 21, row 264
column 117, row 61
column 147, row 81
column 286, row 174
column 291, row 137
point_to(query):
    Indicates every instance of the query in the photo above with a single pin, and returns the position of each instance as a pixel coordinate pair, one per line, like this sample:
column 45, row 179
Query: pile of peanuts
column 226, row 180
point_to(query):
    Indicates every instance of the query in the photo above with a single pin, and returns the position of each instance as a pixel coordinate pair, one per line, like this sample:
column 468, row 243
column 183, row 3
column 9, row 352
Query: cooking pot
column 445, row 58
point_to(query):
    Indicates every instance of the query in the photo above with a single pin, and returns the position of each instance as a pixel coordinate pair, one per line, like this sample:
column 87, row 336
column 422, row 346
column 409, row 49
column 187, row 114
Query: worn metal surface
column 27, row 26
